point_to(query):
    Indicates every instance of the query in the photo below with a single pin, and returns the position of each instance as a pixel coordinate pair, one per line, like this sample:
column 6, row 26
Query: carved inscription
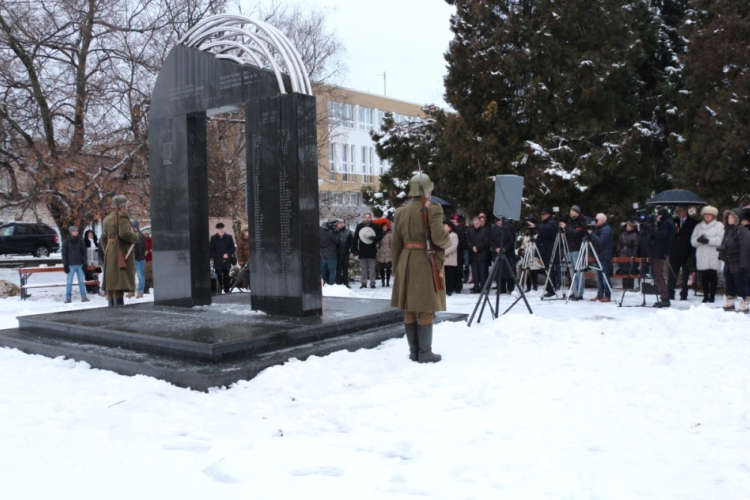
column 166, row 153
column 257, row 211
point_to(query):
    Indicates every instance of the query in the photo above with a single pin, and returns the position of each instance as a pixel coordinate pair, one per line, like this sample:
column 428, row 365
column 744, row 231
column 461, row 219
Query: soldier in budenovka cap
column 414, row 289
column 117, row 239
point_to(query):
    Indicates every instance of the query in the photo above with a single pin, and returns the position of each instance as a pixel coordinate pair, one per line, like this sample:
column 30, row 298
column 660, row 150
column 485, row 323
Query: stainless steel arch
column 248, row 41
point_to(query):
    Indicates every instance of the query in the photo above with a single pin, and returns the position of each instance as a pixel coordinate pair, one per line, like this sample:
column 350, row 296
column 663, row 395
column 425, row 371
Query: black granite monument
column 282, row 180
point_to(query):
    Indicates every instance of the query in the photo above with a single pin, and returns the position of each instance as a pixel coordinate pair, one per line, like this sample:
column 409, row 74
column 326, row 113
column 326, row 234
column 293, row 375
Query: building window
column 340, row 114
column 365, row 118
column 347, row 115
column 332, row 162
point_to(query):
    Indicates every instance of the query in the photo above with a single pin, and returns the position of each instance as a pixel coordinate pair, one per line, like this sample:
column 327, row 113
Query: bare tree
column 75, row 84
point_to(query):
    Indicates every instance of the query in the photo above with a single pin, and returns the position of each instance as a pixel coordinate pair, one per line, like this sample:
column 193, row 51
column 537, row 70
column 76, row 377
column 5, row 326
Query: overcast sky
column 405, row 39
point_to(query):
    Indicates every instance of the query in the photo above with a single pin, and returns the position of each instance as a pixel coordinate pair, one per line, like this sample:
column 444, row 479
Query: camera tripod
column 582, row 263
column 561, row 254
column 484, row 296
column 531, row 253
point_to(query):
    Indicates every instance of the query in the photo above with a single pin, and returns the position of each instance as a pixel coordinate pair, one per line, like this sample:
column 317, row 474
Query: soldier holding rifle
column 419, row 244
column 117, row 242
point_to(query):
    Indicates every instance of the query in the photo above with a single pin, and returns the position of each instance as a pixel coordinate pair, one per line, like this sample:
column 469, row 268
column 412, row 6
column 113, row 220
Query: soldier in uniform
column 116, row 226
column 413, row 289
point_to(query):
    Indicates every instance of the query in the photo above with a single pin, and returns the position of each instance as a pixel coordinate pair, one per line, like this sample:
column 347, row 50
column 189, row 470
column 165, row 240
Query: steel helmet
column 416, row 180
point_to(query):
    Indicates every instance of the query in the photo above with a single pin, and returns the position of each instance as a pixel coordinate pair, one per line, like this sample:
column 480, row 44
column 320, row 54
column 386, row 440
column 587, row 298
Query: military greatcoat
column 413, row 288
column 114, row 277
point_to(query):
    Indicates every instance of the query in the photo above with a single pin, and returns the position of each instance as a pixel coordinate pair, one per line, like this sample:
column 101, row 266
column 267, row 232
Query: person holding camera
column 735, row 252
column 706, row 239
column 662, row 233
column 545, row 242
column 575, row 233
column 601, row 236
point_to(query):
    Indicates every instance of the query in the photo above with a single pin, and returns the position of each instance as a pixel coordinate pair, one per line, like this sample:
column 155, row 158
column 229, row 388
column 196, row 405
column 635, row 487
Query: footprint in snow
column 324, row 470
column 196, row 447
column 215, row 472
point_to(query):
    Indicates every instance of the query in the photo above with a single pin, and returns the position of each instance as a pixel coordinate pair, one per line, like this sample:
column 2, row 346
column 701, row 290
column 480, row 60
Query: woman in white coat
column 706, row 239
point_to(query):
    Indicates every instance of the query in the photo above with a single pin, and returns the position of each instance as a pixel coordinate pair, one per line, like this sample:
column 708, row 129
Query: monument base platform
column 205, row 346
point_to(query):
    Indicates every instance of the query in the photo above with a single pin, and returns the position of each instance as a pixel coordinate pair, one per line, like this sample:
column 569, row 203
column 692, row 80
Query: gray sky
column 406, row 39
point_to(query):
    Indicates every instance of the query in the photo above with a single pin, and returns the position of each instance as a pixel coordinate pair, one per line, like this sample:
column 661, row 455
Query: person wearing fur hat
column 117, row 238
column 221, row 250
column 735, row 252
column 706, row 239
column 243, row 255
column 74, row 262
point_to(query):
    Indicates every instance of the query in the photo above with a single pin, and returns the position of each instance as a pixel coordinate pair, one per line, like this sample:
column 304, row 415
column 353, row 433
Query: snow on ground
column 577, row 401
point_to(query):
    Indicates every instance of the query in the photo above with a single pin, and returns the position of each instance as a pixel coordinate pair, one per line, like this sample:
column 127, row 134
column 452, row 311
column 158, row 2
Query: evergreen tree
column 564, row 93
column 713, row 147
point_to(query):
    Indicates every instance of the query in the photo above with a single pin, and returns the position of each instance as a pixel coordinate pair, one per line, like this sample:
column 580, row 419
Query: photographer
column 503, row 241
column 601, row 236
column 662, row 232
column 575, row 233
column 545, row 242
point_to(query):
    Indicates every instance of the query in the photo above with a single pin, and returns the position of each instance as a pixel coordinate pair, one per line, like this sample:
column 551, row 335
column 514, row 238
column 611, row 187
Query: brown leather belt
column 111, row 240
column 415, row 246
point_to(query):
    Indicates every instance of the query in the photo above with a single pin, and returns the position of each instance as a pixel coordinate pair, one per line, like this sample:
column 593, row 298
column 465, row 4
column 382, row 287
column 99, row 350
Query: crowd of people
column 667, row 246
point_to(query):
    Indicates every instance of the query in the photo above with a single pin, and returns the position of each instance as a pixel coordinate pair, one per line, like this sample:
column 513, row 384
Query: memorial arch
column 223, row 62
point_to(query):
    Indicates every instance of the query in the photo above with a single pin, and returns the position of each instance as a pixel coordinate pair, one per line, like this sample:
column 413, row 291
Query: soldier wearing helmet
column 117, row 238
column 414, row 290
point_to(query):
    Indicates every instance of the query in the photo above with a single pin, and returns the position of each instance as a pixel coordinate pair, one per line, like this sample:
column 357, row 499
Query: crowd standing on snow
column 671, row 247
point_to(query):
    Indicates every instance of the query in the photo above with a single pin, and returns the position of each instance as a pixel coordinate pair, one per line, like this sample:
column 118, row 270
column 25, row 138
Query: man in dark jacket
column 682, row 252
column 478, row 240
column 344, row 252
column 662, row 232
column 365, row 247
column 575, row 233
column 545, row 242
column 603, row 240
column 329, row 252
column 503, row 241
column 221, row 249
column 74, row 262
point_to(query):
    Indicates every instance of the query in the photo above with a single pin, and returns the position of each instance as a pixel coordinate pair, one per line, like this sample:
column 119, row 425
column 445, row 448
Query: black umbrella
column 676, row 197
column 440, row 201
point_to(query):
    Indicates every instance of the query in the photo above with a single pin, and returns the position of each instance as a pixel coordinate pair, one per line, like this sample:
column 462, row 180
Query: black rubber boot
column 424, row 336
column 110, row 300
column 119, row 301
column 411, row 337
column 388, row 277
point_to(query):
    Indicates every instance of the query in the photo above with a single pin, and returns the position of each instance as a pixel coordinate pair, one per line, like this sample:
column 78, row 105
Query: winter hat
column 72, row 228
column 664, row 212
column 708, row 209
column 244, row 228
column 576, row 209
column 220, row 225
column 135, row 224
column 545, row 210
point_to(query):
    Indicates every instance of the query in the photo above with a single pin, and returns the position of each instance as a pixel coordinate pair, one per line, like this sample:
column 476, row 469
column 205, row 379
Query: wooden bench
column 26, row 272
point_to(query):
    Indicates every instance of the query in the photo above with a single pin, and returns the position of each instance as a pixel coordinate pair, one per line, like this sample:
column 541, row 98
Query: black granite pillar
column 282, row 176
column 179, row 210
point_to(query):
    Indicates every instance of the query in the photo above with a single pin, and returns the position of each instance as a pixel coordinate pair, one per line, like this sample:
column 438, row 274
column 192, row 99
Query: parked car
column 25, row 238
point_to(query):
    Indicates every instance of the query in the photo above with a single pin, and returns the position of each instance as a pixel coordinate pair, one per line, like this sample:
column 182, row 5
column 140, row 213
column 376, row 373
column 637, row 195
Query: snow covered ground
column 577, row 401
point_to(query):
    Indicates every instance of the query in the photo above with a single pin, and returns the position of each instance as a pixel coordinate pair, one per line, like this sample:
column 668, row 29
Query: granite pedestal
column 206, row 346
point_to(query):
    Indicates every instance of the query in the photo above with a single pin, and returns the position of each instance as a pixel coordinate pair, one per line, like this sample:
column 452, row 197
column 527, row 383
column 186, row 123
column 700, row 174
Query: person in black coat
column 329, row 252
column 682, row 252
column 604, row 242
column 92, row 241
column 463, row 252
column 344, row 253
column 575, row 234
column 662, row 233
column 74, row 262
column 221, row 250
column 547, row 231
column 478, row 239
column 503, row 241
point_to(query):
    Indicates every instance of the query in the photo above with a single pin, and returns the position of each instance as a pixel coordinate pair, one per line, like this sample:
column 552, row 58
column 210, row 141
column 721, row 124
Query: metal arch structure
column 247, row 41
